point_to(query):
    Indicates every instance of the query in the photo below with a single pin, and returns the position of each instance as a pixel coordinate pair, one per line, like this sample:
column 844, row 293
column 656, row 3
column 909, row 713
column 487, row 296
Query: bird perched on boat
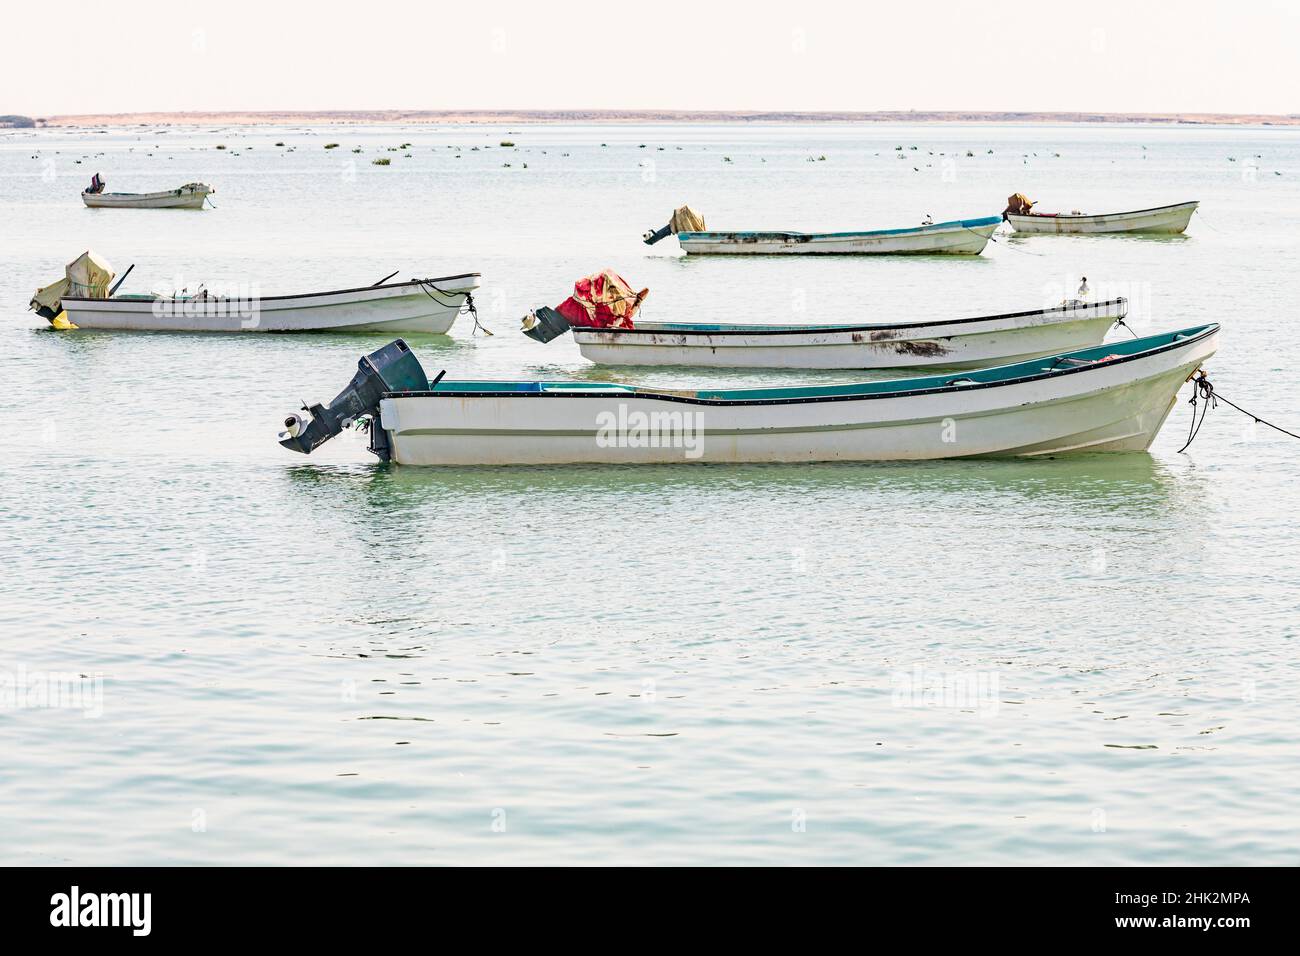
column 1083, row 288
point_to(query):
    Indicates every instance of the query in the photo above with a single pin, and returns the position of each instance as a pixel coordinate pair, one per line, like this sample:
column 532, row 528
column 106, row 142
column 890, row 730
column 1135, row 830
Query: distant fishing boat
column 1161, row 220
column 189, row 196
column 953, row 343
column 84, row 300
column 958, row 237
column 1112, row 397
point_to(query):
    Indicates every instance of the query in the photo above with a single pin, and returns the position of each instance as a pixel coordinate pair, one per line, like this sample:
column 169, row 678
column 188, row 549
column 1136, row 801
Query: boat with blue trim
column 938, row 343
column 966, row 237
column 1109, row 398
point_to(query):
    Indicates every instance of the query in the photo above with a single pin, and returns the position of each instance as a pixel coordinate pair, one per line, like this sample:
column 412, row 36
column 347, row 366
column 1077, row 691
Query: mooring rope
column 470, row 307
column 1203, row 389
column 1037, row 255
column 1120, row 321
column 1207, row 222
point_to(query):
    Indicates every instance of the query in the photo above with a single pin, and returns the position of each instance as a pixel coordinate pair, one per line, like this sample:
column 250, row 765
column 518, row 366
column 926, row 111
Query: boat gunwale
column 923, row 229
column 813, row 329
column 161, row 194
column 1102, row 215
column 1201, row 333
column 297, row 295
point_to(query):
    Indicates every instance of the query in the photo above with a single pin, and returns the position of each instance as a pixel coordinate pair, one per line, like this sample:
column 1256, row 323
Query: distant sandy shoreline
column 353, row 117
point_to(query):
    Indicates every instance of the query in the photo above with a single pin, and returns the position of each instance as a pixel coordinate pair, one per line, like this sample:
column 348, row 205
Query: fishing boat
column 1161, row 220
column 953, row 343
column 1108, row 398
column 189, row 196
column 958, row 237
column 83, row 299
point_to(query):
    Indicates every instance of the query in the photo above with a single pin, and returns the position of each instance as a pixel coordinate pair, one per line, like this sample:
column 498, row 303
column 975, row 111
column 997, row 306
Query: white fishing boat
column 958, row 237
column 1162, row 220
column 84, row 300
column 1112, row 397
column 964, row 237
column 953, row 343
column 189, row 196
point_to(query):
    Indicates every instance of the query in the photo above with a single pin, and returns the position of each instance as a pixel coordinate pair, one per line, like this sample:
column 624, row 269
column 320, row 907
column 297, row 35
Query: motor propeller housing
column 393, row 368
column 651, row 236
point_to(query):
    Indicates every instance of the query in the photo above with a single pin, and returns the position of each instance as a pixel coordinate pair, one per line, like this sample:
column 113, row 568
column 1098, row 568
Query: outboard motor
column 602, row 300
column 1018, row 204
column 685, row 219
column 544, row 324
column 393, row 368
column 651, row 236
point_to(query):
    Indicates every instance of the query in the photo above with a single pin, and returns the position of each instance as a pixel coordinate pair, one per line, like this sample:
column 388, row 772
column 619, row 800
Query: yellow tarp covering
column 51, row 295
column 1018, row 205
column 686, row 219
column 88, row 276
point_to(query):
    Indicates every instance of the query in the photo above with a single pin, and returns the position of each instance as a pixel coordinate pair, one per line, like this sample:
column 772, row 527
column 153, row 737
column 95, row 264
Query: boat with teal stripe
column 975, row 342
column 958, row 237
column 1109, row 398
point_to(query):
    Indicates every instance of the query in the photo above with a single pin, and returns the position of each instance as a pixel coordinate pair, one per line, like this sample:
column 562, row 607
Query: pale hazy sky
column 1129, row 56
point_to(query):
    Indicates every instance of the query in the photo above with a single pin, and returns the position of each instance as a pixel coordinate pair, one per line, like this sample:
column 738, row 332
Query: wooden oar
column 386, row 278
column 121, row 280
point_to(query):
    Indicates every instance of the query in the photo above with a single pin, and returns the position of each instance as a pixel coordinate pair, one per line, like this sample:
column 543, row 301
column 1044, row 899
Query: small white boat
column 965, row 237
column 958, row 237
column 1162, row 220
column 83, row 299
column 1111, row 397
column 953, row 343
column 189, row 196
column 417, row 305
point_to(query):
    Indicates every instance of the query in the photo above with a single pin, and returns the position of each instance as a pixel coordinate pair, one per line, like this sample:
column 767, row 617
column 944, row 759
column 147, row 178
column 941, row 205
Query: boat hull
column 1110, row 405
column 964, row 237
column 1164, row 220
column 183, row 198
column 960, row 343
column 401, row 307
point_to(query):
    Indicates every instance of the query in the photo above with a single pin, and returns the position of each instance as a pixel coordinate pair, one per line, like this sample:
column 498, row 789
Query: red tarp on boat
column 602, row 301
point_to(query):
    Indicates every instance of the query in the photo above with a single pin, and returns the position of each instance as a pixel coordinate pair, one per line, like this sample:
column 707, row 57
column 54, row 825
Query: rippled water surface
column 276, row 659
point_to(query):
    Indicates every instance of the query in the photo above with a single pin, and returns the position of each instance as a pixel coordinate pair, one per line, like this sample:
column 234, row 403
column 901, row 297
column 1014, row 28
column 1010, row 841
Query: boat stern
column 393, row 368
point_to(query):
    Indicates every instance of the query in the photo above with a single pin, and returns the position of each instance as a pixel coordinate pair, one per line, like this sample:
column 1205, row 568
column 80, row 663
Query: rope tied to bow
column 994, row 240
column 470, row 307
column 1203, row 391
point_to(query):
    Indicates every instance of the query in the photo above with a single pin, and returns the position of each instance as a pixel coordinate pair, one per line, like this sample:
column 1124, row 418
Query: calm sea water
column 275, row 659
